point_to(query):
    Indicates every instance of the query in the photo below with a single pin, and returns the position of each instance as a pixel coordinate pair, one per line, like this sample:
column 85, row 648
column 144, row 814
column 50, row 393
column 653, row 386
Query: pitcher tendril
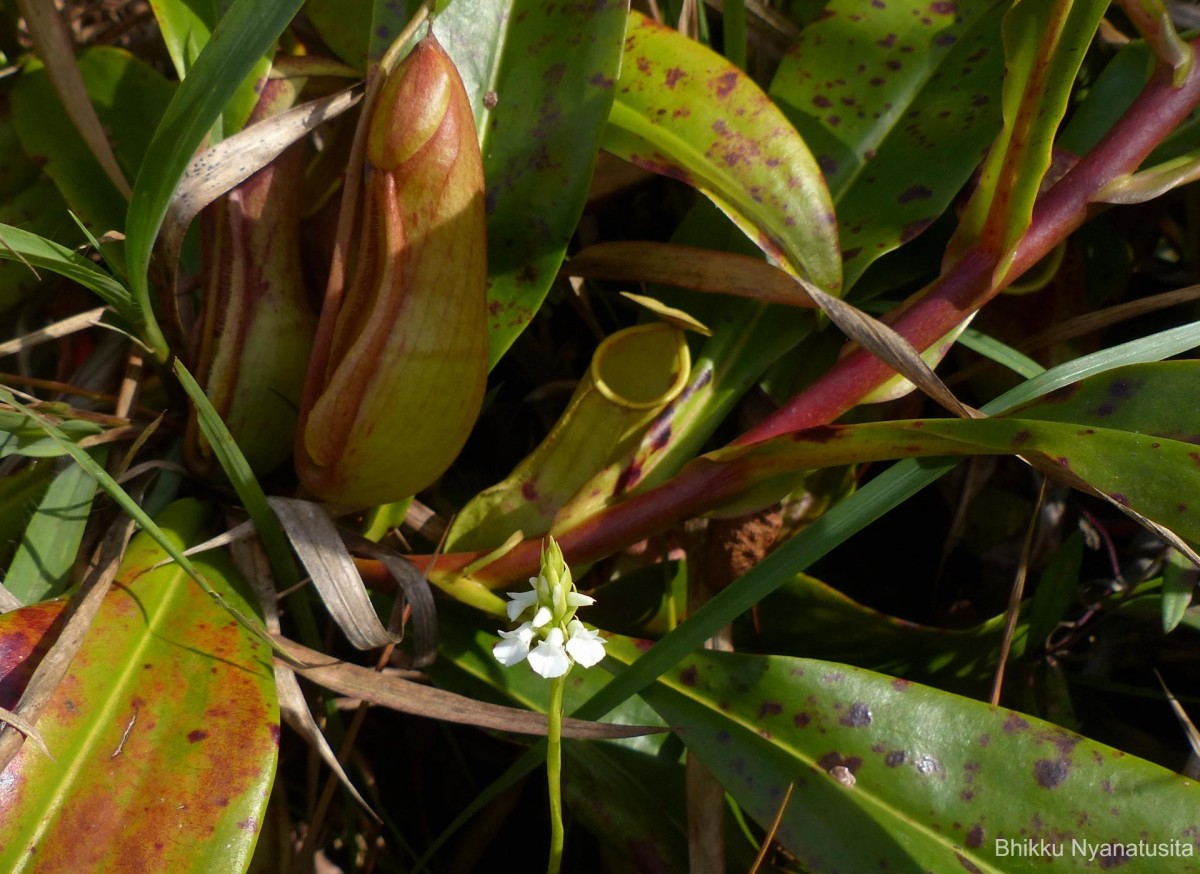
column 551, row 638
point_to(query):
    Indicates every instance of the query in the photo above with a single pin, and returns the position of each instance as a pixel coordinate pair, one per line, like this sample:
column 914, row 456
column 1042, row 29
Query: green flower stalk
column 400, row 363
column 562, row 642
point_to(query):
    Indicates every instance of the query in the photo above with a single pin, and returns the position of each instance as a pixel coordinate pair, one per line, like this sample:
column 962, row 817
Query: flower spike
column 562, row 641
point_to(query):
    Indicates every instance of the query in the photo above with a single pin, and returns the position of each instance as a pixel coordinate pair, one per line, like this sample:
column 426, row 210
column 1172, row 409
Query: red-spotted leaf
column 164, row 732
column 686, row 112
column 899, row 106
column 890, row 775
column 540, row 78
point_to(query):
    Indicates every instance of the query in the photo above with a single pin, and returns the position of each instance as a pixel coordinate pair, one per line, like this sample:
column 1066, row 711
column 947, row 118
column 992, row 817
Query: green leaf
column 940, row 782
column 633, row 803
column 165, row 733
column 360, row 31
column 899, row 106
column 21, row 245
column 1107, row 99
column 22, row 435
column 540, row 78
column 1003, row 354
column 243, row 36
column 345, row 26
column 129, row 97
column 1124, row 434
column 20, row 494
column 186, row 26
column 1179, row 583
column 28, row 199
column 233, row 462
column 1137, row 398
column 683, row 111
column 808, row 617
column 1056, row 591
column 42, row 565
column 882, row 494
column 130, row 506
column 1044, row 45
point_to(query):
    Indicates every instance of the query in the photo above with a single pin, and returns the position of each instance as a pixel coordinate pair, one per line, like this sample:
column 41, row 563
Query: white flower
column 585, row 646
column 549, row 658
column 522, row 601
column 515, row 646
column 575, row 600
column 562, row 640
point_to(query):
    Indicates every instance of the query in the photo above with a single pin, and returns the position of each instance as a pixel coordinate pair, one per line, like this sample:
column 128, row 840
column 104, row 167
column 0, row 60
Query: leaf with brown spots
column 164, row 732
column 939, row 781
column 540, row 77
column 683, row 111
column 1124, row 434
column 899, row 106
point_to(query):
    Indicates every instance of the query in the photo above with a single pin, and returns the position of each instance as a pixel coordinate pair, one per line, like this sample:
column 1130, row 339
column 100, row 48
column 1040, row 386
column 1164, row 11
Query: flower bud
column 399, row 370
column 554, row 566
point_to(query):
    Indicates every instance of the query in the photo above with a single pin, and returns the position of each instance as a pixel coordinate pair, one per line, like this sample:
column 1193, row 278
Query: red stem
column 967, row 285
column 962, row 289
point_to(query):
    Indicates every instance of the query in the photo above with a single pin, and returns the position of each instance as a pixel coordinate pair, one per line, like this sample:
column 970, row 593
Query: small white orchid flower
column 584, row 645
column 514, row 648
column 561, row 639
column 549, row 658
column 522, row 601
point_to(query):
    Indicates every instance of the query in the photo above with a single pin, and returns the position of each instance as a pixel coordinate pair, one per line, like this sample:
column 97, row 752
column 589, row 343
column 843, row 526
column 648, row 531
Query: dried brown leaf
column 231, row 161
column 414, row 590
column 319, row 545
column 89, row 319
column 399, row 694
column 252, row 562
column 689, row 267
column 889, row 347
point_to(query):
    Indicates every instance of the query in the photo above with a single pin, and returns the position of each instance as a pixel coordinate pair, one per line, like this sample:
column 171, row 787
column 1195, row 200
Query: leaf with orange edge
column 165, row 731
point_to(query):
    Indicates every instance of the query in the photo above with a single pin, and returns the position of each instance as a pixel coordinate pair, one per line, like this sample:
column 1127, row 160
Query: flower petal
column 585, row 646
column 575, row 599
column 541, row 617
column 549, row 658
column 514, row 648
column 521, row 601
